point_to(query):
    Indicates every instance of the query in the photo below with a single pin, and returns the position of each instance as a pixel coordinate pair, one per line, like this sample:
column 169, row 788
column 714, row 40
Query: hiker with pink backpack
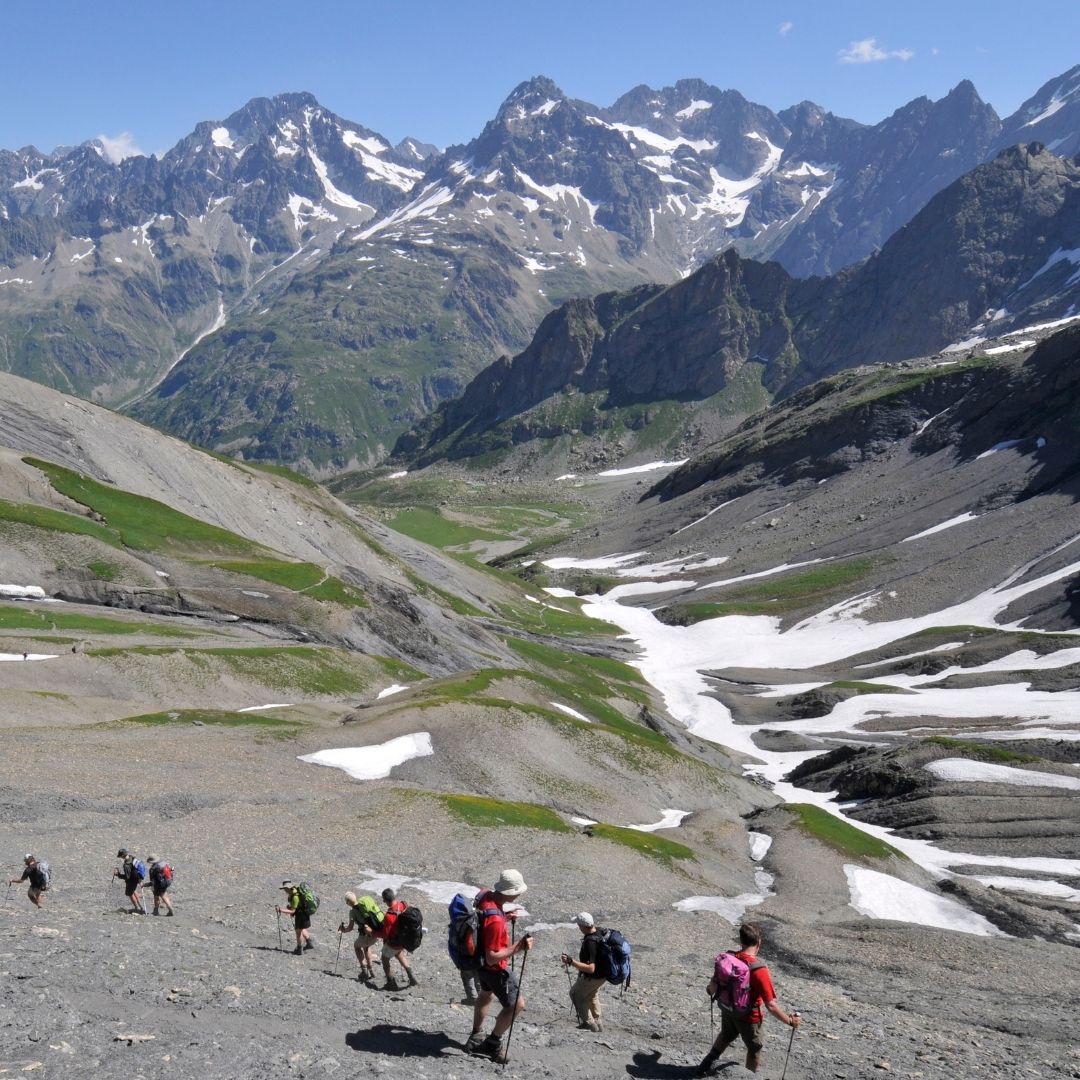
column 740, row 985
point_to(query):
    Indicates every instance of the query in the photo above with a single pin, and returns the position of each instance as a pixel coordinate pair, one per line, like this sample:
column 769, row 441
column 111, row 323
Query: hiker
column 133, row 871
column 37, row 873
column 495, row 977
column 585, row 993
column 743, row 1018
column 161, row 877
column 365, row 916
column 394, row 908
column 297, row 905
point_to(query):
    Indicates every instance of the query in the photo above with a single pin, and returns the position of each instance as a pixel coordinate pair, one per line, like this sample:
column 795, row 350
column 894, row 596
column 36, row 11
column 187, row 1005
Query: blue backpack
column 139, row 867
column 463, row 934
column 613, row 954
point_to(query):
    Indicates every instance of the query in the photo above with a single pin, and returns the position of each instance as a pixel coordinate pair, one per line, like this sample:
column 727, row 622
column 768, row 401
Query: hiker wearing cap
column 132, row 871
column 161, row 876
column 301, row 917
column 741, row 1016
column 37, row 873
column 585, row 993
column 394, row 908
column 495, row 977
column 365, row 916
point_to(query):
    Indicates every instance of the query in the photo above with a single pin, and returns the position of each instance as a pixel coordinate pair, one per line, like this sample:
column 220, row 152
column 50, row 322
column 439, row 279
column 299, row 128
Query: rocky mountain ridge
column 285, row 284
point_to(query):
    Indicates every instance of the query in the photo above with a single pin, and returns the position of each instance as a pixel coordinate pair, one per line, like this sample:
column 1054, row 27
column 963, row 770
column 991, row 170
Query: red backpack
column 731, row 975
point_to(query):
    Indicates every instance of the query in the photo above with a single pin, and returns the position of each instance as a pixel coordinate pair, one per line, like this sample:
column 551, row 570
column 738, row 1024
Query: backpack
column 731, row 975
column 407, row 931
column 138, row 869
column 367, row 914
column 613, row 957
column 308, row 899
column 161, row 874
column 41, row 876
column 463, row 934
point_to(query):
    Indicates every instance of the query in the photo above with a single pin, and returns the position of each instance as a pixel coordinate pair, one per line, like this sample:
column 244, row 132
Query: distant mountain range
column 286, row 284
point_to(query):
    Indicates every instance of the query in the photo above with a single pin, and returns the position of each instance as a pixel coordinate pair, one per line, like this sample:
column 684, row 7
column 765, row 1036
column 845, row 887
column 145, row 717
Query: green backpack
column 309, row 901
column 367, row 914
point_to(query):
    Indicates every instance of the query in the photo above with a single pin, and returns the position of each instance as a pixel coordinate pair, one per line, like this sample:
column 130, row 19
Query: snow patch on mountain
column 222, row 138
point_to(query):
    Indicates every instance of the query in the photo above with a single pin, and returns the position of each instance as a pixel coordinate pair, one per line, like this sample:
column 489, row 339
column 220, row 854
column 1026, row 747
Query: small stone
column 883, row 1065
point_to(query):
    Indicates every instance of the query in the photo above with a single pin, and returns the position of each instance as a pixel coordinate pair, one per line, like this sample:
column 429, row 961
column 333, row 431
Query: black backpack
column 613, row 957
column 408, row 930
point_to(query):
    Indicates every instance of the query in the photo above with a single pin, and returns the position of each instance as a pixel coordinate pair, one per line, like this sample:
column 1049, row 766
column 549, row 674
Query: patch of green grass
column 212, row 718
column 51, row 694
column 289, row 575
column 591, row 672
column 841, row 835
column 44, row 517
column 398, row 669
column 778, row 595
column 140, row 523
column 430, row 527
column 286, row 472
column 311, row 670
column 337, row 591
column 104, row 571
column 864, row 687
column 544, row 618
column 19, row 618
column 655, row 847
column 492, row 813
column 980, row 751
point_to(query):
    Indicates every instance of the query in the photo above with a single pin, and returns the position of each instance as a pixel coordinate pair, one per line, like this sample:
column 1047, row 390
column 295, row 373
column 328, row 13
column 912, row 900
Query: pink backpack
column 732, row 977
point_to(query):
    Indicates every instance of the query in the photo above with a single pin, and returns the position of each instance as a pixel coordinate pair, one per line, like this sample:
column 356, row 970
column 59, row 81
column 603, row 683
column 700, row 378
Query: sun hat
column 28, row 858
column 153, row 858
column 350, row 899
column 584, row 919
column 510, row 883
column 286, row 884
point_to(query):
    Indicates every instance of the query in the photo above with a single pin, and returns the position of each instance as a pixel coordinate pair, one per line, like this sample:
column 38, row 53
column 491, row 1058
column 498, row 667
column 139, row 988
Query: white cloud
column 868, row 51
column 786, row 28
column 118, row 147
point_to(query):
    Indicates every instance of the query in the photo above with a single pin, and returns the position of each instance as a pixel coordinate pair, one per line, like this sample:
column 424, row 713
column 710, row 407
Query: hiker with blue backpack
column 585, row 993
column 301, row 903
column 38, row 874
column 740, row 985
column 493, row 951
column 133, row 871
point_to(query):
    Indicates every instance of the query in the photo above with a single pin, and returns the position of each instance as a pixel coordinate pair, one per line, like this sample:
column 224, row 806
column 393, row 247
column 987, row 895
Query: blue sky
column 145, row 72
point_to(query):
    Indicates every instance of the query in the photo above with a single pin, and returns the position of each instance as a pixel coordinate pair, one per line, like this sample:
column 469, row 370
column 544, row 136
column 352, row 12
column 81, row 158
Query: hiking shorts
column 389, row 953
column 161, row 890
column 301, row 920
column 502, row 983
column 34, row 892
column 753, row 1035
column 131, row 888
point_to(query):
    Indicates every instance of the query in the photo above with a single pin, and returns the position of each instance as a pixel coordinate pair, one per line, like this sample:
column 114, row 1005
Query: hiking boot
column 413, row 980
column 589, row 1025
column 155, row 912
column 474, row 1042
column 706, row 1066
column 392, row 984
column 309, row 944
column 495, row 1048
column 298, row 951
column 170, row 913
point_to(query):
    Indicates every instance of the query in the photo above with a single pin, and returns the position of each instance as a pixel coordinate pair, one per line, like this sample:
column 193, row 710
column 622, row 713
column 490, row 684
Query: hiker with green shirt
column 366, row 917
column 300, row 903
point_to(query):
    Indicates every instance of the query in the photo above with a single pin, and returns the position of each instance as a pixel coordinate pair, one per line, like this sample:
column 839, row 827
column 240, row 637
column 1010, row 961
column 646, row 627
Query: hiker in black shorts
column 133, row 873
column 37, row 873
column 301, row 919
column 160, row 880
column 495, row 977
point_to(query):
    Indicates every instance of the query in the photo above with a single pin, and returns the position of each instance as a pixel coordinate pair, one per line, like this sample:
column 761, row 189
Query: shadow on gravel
column 400, row 1041
column 648, row 1066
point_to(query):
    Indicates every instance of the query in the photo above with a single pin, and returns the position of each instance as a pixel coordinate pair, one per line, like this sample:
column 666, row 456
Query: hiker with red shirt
column 394, row 908
column 748, row 1026
column 495, row 977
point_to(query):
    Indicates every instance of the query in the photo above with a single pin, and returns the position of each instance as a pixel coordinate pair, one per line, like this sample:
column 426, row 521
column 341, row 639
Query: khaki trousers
column 585, row 994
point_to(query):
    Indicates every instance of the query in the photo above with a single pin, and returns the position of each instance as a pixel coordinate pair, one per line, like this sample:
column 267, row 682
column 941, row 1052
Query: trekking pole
column 510, row 1033
column 8, row 897
column 790, row 1041
column 281, row 948
column 513, row 939
column 570, row 984
column 338, row 957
